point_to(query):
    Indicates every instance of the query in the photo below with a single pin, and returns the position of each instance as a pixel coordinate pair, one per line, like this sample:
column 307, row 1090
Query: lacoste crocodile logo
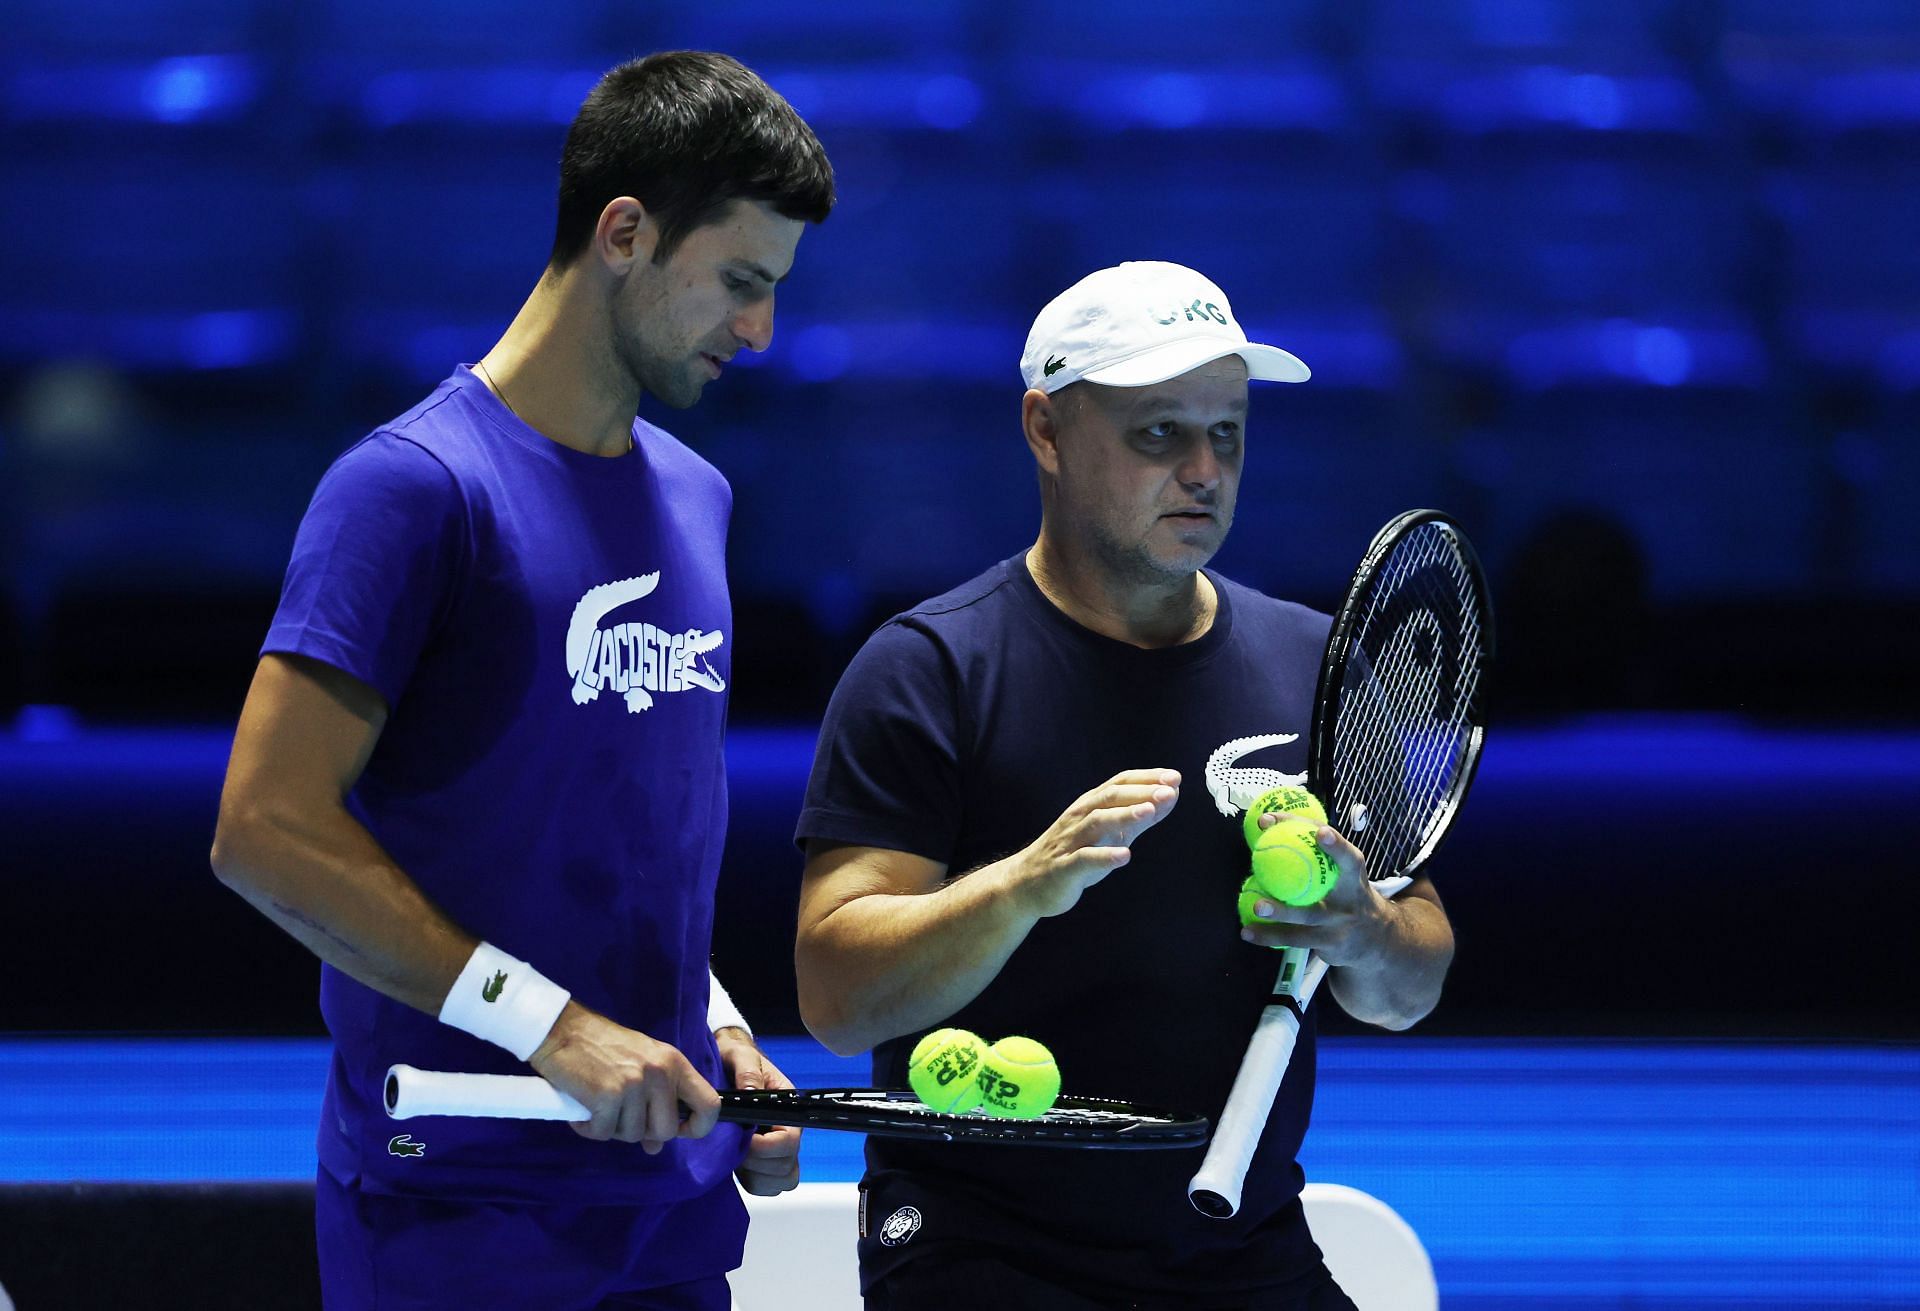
column 635, row 659
column 402, row 1144
column 1234, row 789
column 1054, row 366
column 492, row 988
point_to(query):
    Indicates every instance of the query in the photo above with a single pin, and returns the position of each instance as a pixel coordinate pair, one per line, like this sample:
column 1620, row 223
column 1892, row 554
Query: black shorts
column 971, row 1276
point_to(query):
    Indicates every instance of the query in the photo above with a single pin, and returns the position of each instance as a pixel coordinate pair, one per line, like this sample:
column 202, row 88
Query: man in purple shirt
column 479, row 772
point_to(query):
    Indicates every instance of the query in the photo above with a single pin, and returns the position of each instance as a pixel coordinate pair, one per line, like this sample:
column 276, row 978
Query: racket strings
column 1407, row 709
column 1061, row 1115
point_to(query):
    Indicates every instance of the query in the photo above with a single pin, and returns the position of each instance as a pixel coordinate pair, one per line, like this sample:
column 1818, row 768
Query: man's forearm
column 322, row 877
column 1400, row 983
column 885, row 964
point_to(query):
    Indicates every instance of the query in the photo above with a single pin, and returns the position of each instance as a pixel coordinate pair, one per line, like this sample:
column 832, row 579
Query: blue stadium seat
column 1881, row 469
column 903, row 488
column 1535, row 66
column 1721, row 489
column 915, row 273
column 1539, row 257
column 39, row 30
column 1297, row 231
column 1212, row 35
column 171, row 260
column 1825, row 70
column 1455, row 31
column 368, row 67
column 459, row 33
column 151, row 96
column 431, row 248
column 848, row 32
column 1252, row 98
column 1299, row 227
column 1324, row 470
column 1851, row 272
column 146, row 189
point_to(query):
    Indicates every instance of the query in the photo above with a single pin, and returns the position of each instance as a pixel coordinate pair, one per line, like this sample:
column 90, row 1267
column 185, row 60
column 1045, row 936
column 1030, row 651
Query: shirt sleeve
column 886, row 771
column 374, row 564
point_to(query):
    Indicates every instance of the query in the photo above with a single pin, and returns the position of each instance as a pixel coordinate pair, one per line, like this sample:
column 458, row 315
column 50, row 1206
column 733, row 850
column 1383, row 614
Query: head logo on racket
column 900, row 1226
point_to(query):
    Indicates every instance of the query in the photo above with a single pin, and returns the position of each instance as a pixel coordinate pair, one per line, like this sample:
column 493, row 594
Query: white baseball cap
column 1140, row 323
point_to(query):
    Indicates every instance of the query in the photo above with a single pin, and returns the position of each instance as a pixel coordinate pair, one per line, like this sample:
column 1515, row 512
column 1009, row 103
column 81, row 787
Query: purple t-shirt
column 549, row 631
column 960, row 733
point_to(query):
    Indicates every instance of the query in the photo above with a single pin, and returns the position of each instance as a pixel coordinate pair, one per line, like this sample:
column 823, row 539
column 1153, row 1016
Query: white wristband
column 721, row 1012
column 503, row 1000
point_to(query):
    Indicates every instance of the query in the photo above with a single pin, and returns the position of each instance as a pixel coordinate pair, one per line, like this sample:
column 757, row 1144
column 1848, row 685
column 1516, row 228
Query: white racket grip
column 1214, row 1189
column 410, row 1092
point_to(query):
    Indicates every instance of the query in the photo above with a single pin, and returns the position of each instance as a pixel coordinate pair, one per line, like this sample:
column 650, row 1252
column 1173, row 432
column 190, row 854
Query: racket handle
column 411, row 1092
column 1214, row 1189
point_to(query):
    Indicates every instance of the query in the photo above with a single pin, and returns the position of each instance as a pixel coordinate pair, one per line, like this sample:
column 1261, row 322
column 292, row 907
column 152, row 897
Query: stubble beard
column 651, row 371
column 1135, row 564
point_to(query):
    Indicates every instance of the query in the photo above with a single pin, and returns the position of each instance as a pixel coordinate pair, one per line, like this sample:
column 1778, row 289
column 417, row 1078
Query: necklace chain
column 498, row 390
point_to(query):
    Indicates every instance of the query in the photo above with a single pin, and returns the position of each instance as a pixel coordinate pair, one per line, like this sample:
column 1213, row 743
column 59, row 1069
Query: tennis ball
column 1286, row 800
column 1249, row 893
column 1289, row 866
column 944, row 1068
column 1018, row 1079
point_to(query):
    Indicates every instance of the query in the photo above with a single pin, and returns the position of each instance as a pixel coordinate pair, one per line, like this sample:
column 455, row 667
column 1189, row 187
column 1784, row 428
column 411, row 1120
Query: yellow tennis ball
column 944, row 1069
column 1018, row 1079
column 1290, row 866
column 1249, row 893
column 1288, row 801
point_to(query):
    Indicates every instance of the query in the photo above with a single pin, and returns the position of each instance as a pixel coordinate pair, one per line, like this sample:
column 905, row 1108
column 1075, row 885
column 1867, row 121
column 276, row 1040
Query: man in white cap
column 954, row 878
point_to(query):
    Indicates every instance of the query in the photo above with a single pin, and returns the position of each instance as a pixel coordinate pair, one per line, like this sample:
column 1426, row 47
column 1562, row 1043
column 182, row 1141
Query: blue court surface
column 1539, row 1174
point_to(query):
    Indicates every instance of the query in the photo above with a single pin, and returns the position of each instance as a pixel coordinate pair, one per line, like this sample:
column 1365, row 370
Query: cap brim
column 1264, row 363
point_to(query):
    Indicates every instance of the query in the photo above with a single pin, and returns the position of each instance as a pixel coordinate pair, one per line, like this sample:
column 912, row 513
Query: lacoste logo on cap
column 1054, row 366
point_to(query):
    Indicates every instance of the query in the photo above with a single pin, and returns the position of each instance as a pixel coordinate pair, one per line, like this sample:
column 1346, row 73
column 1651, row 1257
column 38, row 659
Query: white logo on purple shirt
column 634, row 659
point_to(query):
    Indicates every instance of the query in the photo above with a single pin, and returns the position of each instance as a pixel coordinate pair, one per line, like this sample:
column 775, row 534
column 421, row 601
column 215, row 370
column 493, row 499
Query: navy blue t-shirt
column 959, row 733
column 550, row 630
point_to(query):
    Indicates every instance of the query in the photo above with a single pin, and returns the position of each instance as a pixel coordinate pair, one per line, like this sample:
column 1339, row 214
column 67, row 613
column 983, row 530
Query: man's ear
column 1040, row 421
column 626, row 235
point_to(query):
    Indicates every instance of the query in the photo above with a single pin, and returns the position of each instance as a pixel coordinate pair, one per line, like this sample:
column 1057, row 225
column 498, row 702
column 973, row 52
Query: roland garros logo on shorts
column 900, row 1226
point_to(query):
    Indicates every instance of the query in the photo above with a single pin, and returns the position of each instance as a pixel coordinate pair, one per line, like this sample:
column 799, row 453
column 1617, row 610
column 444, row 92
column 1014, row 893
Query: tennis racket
column 1084, row 1122
column 1399, row 715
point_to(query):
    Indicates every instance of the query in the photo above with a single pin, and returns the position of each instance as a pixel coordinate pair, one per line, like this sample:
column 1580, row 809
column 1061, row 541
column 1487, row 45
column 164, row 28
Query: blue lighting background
column 1630, row 286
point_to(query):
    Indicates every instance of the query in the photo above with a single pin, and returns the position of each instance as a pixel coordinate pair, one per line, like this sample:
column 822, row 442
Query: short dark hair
column 686, row 133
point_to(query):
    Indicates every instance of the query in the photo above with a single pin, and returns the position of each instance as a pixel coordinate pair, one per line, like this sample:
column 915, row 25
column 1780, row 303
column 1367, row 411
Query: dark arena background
column 1631, row 287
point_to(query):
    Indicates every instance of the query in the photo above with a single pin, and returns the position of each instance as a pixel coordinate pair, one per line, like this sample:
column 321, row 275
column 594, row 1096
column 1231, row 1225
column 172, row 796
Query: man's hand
column 1091, row 839
column 633, row 1085
column 1349, row 926
column 772, row 1165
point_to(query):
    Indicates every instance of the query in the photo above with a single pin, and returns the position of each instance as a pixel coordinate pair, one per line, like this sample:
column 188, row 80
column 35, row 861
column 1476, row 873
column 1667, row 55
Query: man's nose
column 1201, row 468
column 753, row 326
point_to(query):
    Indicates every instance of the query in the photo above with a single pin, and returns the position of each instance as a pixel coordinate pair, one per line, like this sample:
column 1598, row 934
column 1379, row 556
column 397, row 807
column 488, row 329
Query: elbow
column 825, row 1009
column 829, row 1024
column 1401, row 1021
column 1402, row 1012
column 224, row 857
column 839, row 1041
column 235, row 836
